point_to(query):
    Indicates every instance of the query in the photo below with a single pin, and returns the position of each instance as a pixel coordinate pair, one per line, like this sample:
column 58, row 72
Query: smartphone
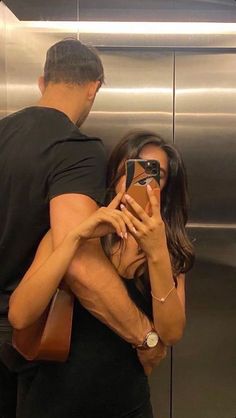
column 140, row 173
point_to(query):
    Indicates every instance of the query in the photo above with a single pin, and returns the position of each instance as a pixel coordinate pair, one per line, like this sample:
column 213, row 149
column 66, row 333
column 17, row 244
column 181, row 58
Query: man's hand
column 151, row 357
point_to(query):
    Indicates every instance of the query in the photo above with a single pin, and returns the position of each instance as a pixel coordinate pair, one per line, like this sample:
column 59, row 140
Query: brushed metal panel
column 159, row 10
column 138, row 94
column 168, row 35
column 205, row 360
column 25, row 55
column 215, row 243
column 44, row 9
column 205, row 126
column 148, row 10
column 3, row 97
column 170, row 40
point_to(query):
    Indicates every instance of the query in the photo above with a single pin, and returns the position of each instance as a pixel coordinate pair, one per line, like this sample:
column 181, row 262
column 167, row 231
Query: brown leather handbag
column 49, row 337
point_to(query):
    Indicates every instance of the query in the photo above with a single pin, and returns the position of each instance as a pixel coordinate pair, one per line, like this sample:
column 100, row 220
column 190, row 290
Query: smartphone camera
column 151, row 167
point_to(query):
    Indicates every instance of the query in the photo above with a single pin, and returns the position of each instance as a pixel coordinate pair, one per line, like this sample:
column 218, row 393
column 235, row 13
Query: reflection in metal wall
column 139, row 93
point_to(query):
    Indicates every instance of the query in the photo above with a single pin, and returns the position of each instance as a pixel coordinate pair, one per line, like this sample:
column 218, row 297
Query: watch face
column 152, row 339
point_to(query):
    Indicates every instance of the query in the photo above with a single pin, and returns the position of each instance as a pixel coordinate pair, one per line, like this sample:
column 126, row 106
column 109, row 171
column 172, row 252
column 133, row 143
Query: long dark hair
column 174, row 196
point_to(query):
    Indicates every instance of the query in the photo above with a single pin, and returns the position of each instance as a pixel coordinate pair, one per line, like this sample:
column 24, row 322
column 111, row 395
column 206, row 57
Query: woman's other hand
column 151, row 357
column 104, row 221
column 149, row 231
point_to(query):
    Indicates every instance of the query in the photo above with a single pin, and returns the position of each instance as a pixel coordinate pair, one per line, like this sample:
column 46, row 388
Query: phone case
column 139, row 173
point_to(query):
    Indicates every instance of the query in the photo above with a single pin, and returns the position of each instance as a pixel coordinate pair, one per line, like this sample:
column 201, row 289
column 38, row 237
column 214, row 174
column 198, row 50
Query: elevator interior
column 182, row 86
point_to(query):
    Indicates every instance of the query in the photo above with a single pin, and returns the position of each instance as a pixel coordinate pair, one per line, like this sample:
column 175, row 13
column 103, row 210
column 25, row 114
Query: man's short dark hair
column 70, row 61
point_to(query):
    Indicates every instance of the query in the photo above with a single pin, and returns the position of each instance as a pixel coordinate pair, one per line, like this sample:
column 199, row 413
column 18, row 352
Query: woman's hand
column 104, row 221
column 151, row 357
column 149, row 231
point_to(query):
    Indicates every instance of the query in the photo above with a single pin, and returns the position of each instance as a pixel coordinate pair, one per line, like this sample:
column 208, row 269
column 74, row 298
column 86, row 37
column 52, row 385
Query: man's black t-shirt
column 42, row 155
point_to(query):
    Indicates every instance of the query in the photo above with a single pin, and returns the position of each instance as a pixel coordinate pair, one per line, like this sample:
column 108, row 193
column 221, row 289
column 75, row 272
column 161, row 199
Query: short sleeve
column 79, row 166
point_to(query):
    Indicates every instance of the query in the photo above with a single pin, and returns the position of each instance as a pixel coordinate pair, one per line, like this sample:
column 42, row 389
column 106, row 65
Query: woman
column 103, row 376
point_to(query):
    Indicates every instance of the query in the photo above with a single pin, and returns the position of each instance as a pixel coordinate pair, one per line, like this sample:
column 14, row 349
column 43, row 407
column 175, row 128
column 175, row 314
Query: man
column 53, row 176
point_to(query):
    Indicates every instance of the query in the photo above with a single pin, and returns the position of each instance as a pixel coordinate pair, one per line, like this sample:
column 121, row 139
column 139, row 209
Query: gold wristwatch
column 150, row 341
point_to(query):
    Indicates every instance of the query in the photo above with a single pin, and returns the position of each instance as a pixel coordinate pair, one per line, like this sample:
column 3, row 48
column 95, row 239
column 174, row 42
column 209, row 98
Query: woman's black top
column 102, row 378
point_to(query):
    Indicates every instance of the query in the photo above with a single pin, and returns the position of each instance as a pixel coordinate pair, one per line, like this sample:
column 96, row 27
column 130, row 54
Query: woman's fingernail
column 121, row 235
column 126, row 235
column 122, row 206
column 149, row 188
column 127, row 197
column 134, row 229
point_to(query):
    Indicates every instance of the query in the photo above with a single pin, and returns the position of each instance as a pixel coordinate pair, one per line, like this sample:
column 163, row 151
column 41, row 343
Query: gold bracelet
column 162, row 300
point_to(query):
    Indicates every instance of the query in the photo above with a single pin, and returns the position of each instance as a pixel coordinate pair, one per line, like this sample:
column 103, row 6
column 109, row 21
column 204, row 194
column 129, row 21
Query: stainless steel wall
column 205, row 127
column 123, row 10
column 205, row 131
column 138, row 94
column 189, row 98
column 25, row 51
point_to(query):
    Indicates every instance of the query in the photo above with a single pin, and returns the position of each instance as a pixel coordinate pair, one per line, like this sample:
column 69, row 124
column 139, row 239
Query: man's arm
column 92, row 277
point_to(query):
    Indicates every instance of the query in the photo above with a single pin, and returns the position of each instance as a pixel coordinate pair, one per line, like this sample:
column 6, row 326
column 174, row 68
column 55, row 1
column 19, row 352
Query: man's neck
column 64, row 99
